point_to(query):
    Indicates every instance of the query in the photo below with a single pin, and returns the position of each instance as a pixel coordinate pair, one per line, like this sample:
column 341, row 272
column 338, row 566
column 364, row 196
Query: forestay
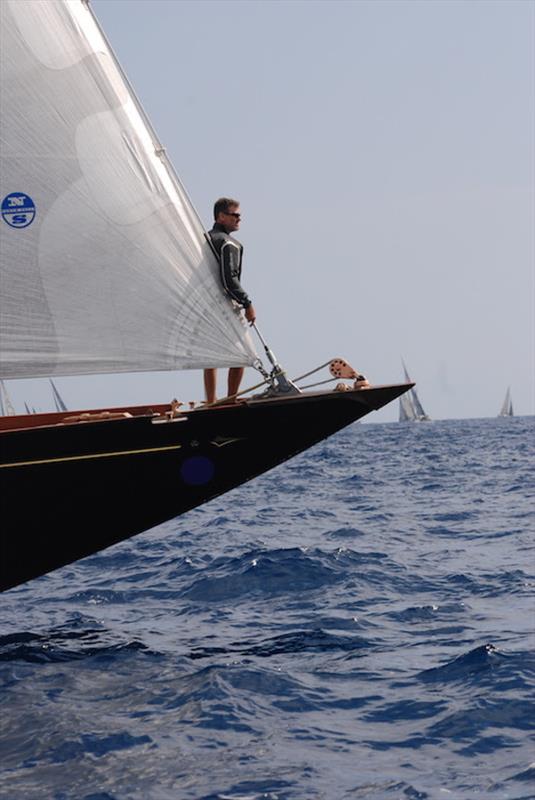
column 104, row 262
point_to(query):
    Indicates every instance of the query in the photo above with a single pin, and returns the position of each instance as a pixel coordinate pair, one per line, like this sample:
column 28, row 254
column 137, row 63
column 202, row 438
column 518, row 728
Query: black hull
column 70, row 490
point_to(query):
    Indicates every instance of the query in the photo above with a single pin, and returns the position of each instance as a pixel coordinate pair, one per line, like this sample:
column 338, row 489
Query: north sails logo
column 18, row 210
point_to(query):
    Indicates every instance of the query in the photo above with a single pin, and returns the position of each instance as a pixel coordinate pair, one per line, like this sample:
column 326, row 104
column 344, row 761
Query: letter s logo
column 18, row 210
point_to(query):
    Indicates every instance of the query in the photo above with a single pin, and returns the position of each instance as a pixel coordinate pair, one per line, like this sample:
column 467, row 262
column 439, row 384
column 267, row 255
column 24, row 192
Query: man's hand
column 250, row 314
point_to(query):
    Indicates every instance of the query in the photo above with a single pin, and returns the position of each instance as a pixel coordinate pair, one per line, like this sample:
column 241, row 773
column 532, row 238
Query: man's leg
column 210, row 378
column 235, row 374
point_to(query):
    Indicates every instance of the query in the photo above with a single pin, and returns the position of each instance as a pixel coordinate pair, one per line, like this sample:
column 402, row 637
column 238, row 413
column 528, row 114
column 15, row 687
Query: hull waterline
column 69, row 489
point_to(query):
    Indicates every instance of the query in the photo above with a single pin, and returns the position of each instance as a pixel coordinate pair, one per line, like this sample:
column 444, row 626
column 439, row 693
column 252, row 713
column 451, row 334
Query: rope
column 319, row 383
column 300, row 378
column 232, row 397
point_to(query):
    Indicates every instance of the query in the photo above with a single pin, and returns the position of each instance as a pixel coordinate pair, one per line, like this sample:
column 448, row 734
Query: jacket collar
column 218, row 226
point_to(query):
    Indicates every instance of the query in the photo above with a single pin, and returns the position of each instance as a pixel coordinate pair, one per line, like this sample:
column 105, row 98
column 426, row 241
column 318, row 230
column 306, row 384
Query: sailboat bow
column 73, row 484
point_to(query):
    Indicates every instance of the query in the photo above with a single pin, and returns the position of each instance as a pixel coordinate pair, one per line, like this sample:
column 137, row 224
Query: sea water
column 358, row 623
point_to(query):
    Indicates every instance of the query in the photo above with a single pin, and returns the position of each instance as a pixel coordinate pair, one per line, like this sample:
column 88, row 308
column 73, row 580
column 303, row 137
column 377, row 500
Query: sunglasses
column 234, row 214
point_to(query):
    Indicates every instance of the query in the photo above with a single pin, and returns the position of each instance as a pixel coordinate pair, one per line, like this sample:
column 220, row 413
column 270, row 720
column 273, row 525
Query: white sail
column 6, row 406
column 58, row 399
column 410, row 407
column 104, row 262
column 406, row 409
column 507, row 406
column 420, row 413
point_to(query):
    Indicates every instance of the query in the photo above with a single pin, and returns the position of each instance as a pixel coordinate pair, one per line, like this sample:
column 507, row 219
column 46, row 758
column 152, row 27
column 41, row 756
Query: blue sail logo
column 18, row 210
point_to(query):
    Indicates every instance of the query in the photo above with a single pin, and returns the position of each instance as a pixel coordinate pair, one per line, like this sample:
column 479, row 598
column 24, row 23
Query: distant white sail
column 507, row 406
column 410, row 407
column 104, row 262
column 420, row 413
column 406, row 408
column 6, row 406
column 58, row 399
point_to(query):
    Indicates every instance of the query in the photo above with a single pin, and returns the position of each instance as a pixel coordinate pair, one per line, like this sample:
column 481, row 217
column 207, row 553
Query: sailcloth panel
column 104, row 263
column 406, row 409
column 417, row 404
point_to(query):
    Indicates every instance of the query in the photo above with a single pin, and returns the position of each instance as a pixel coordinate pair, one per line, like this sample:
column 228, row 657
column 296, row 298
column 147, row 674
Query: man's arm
column 230, row 271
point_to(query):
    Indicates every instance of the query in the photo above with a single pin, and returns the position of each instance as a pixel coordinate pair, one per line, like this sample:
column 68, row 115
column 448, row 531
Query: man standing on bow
column 230, row 252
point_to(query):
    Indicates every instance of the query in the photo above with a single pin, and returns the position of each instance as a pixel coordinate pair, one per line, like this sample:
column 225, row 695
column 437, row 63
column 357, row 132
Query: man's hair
column 223, row 205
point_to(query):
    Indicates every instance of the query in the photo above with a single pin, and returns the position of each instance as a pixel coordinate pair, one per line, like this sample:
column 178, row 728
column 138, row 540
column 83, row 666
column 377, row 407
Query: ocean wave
column 56, row 647
column 289, row 643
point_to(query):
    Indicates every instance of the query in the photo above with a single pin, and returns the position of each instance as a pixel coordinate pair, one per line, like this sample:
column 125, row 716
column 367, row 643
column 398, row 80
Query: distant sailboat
column 6, row 406
column 58, row 400
column 410, row 407
column 507, row 406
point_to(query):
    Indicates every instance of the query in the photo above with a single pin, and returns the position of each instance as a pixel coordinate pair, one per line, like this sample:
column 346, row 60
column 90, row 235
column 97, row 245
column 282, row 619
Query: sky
column 384, row 157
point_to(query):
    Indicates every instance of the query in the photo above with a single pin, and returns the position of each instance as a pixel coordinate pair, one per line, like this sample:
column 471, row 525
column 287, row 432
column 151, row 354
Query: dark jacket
column 230, row 254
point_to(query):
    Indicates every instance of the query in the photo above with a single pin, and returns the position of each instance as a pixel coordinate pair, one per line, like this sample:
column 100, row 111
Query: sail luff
column 159, row 149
